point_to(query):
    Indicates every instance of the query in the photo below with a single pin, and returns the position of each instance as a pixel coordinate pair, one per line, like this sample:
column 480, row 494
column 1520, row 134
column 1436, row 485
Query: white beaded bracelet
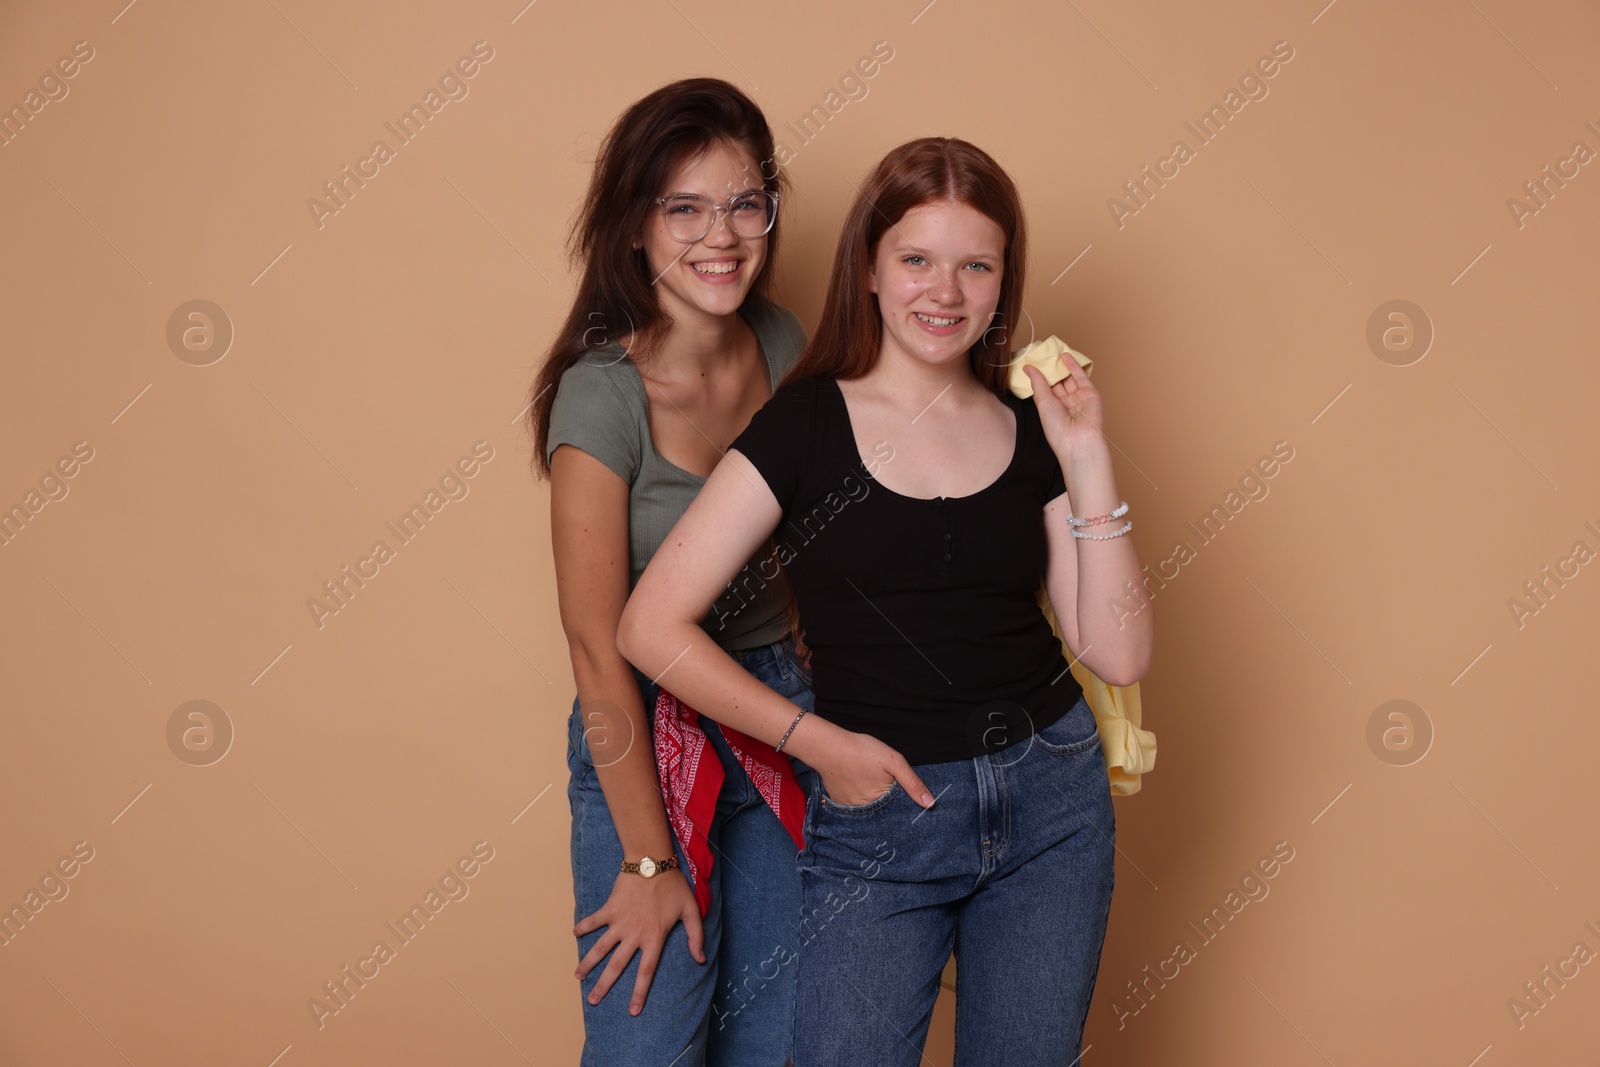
column 1073, row 520
column 1101, row 537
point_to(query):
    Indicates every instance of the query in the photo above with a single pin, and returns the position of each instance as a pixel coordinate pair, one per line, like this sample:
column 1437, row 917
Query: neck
column 699, row 342
column 901, row 375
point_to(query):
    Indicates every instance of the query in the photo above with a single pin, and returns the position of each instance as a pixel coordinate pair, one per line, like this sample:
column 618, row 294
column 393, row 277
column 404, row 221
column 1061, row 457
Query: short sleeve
column 778, row 439
column 1055, row 482
column 592, row 413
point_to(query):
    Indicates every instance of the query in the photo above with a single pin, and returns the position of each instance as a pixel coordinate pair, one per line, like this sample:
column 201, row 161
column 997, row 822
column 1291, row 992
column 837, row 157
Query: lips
column 715, row 267
column 939, row 321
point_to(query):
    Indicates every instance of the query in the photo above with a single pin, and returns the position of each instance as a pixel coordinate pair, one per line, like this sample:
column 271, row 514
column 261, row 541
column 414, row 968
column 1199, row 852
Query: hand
column 638, row 916
column 860, row 769
column 1069, row 410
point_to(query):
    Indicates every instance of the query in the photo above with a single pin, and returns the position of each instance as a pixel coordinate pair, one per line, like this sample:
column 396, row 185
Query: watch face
column 647, row 867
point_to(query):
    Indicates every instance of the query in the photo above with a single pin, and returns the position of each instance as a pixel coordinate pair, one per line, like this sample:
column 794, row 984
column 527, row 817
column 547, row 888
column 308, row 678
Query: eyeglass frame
column 719, row 210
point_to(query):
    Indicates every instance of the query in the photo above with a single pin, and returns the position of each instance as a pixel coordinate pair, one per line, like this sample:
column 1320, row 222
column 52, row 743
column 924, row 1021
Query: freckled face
column 937, row 274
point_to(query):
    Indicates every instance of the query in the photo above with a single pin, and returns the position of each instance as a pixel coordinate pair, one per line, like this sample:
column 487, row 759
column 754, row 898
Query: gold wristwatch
column 649, row 868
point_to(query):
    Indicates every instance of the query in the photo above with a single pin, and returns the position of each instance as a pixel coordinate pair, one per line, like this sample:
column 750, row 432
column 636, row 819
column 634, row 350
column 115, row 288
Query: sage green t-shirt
column 601, row 408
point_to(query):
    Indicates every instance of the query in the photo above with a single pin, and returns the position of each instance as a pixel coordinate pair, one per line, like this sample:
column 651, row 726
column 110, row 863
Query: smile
column 934, row 320
column 724, row 266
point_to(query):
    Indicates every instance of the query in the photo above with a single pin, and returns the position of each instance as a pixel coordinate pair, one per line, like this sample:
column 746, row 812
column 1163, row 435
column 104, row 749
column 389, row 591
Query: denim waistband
column 760, row 653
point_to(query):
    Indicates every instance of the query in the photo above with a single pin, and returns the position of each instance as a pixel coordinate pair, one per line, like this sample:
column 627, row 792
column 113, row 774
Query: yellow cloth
column 1043, row 355
column 1129, row 749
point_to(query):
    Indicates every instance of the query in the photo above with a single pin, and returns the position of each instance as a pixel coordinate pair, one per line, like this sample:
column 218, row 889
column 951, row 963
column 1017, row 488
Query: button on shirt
column 920, row 613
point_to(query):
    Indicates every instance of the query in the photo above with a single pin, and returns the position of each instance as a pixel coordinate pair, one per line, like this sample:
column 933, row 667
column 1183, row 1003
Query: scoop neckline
column 940, row 501
column 772, row 387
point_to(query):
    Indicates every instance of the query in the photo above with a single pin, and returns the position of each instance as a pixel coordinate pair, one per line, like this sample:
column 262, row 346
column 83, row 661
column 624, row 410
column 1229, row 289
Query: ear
column 872, row 277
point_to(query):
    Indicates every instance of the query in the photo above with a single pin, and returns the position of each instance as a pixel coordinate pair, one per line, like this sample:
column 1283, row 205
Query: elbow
column 1128, row 672
column 1121, row 679
column 629, row 634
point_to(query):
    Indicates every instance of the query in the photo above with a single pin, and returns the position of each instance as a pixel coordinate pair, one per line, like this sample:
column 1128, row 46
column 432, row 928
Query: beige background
column 1230, row 313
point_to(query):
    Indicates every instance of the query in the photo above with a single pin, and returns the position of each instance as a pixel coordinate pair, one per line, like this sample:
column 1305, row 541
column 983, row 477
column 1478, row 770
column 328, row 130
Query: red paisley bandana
column 692, row 776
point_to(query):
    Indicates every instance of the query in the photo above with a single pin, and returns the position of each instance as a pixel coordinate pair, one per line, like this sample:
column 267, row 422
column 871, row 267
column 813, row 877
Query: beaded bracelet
column 1117, row 514
column 1101, row 537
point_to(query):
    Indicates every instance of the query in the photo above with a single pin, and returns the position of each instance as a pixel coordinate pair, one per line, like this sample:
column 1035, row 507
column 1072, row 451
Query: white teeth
column 716, row 268
column 932, row 321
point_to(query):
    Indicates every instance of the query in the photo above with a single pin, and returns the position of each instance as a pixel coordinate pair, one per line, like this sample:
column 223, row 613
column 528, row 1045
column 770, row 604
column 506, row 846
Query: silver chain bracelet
column 782, row 740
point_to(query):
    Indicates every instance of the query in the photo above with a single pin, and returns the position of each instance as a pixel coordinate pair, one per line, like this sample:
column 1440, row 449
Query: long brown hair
column 848, row 338
column 664, row 130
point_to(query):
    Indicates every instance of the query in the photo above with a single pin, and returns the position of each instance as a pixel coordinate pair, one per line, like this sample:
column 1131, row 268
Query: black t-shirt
column 920, row 613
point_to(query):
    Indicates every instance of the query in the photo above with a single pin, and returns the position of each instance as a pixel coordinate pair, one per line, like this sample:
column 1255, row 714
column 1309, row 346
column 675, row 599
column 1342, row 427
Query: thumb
column 913, row 785
column 693, row 926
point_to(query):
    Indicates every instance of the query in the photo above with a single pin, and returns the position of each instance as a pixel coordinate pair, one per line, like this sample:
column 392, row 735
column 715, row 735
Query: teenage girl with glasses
column 669, row 346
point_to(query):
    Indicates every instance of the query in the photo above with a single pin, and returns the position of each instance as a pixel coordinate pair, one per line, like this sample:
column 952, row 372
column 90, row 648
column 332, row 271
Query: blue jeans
column 737, row 1008
column 1012, row 868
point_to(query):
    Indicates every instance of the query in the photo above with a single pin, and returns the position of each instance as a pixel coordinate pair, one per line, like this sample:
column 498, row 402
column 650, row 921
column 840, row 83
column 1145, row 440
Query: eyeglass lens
column 689, row 218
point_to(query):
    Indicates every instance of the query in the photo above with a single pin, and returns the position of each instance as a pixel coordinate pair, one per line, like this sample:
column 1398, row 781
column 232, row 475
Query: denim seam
column 1072, row 748
column 1003, row 793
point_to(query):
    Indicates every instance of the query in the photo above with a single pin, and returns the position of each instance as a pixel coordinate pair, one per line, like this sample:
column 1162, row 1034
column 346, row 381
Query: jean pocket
column 1065, row 736
column 828, row 804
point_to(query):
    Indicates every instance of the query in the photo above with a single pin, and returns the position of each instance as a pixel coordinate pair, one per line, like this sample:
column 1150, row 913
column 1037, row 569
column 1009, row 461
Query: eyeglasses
column 689, row 217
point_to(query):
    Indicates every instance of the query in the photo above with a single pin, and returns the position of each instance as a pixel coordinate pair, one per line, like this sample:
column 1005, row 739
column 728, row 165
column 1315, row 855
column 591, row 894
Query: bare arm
column 1109, row 629
column 589, row 533
column 725, row 524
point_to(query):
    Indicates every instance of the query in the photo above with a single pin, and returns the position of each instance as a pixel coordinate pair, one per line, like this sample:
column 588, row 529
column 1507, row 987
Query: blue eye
column 980, row 266
column 909, row 259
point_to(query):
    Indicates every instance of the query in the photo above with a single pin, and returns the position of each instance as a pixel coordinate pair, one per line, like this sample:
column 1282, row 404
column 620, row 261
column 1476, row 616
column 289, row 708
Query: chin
column 723, row 303
column 726, row 304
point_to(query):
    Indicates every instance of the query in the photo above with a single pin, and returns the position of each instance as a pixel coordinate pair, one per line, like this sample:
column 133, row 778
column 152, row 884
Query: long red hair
column 847, row 340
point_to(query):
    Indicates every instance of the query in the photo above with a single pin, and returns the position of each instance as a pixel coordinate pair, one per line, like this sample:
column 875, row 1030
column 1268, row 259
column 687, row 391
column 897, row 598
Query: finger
column 608, row 978
column 590, row 923
column 913, row 785
column 1041, row 386
column 641, row 984
column 696, row 931
column 596, row 953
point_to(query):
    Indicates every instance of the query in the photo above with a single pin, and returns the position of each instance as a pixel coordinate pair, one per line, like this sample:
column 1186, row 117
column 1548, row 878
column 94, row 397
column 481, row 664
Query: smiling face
column 711, row 276
column 938, row 274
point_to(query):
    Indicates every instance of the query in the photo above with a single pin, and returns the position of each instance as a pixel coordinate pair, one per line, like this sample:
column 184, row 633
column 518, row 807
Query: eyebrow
column 730, row 196
column 902, row 248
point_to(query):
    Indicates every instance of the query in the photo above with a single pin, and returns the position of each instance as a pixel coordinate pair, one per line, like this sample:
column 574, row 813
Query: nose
column 943, row 289
column 721, row 235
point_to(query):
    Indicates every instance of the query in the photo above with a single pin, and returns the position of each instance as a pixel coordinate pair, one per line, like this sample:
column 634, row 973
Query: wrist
column 811, row 740
column 656, row 848
column 1084, row 452
column 648, row 869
